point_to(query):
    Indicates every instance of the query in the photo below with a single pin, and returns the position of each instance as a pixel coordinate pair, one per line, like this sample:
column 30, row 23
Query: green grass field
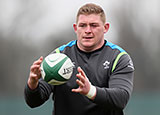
column 145, row 104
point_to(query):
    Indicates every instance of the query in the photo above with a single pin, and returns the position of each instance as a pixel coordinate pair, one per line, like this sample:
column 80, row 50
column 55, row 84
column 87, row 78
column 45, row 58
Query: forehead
column 92, row 18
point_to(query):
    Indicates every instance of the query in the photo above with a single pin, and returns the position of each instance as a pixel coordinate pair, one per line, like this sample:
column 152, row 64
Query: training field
column 146, row 104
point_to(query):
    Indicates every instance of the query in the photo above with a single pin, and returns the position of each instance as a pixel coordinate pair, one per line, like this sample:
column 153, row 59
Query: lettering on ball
column 67, row 70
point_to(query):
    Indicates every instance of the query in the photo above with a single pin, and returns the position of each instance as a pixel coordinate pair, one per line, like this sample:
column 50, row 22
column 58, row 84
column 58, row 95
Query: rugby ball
column 56, row 68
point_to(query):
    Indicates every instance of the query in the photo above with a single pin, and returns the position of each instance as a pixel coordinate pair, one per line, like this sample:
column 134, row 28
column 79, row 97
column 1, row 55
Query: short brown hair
column 91, row 8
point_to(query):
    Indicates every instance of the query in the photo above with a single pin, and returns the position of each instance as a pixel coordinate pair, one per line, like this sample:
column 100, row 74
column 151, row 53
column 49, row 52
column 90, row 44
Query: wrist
column 32, row 84
column 92, row 92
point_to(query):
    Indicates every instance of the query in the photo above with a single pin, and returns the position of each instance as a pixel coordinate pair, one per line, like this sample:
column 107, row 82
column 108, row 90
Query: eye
column 94, row 25
column 82, row 25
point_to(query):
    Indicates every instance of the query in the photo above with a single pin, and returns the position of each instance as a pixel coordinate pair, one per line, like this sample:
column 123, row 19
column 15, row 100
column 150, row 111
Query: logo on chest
column 106, row 64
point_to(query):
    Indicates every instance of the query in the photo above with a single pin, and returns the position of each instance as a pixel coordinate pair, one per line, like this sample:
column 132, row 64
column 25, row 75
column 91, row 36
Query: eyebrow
column 89, row 23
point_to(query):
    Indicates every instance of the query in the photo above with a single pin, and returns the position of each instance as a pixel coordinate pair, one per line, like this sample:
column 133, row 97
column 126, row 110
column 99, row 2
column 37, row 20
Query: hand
column 84, row 84
column 35, row 73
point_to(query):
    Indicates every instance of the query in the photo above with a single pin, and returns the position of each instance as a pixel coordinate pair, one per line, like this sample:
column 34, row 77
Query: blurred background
column 33, row 28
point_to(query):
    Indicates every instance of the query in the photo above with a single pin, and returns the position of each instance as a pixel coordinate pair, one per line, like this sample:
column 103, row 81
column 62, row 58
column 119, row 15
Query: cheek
column 99, row 32
column 79, row 33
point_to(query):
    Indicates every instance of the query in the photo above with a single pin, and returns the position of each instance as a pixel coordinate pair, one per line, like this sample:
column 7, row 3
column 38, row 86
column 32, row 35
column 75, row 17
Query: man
column 103, row 81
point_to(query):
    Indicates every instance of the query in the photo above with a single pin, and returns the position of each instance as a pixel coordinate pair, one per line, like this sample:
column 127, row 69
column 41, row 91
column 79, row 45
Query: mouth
column 87, row 37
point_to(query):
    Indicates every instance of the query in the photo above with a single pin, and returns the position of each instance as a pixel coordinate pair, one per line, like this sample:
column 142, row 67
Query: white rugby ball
column 56, row 68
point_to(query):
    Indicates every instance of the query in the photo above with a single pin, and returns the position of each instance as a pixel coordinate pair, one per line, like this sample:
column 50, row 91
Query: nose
column 88, row 29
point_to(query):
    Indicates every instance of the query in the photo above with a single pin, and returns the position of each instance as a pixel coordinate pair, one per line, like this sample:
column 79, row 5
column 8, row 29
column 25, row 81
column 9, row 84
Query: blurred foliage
column 143, row 50
column 137, row 30
column 17, row 57
column 19, row 49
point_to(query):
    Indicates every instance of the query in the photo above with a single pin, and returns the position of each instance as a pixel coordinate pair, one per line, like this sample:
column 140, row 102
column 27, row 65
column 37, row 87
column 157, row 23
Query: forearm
column 116, row 96
column 37, row 96
column 112, row 98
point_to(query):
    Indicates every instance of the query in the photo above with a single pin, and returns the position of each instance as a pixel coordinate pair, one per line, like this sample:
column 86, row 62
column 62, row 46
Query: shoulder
column 115, row 50
column 67, row 45
column 113, row 46
column 120, row 56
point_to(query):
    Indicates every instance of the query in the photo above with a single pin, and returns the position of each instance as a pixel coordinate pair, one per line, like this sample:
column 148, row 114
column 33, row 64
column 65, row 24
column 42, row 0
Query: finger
column 34, row 68
column 81, row 77
column 39, row 61
column 78, row 90
column 36, row 71
column 39, row 70
column 80, row 83
column 81, row 71
column 36, row 62
column 33, row 75
column 41, row 58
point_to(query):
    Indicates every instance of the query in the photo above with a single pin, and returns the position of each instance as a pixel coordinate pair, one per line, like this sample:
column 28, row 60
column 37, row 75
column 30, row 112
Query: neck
column 91, row 49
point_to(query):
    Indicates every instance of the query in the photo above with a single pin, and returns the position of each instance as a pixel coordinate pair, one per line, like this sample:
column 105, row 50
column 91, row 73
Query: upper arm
column 122, row 74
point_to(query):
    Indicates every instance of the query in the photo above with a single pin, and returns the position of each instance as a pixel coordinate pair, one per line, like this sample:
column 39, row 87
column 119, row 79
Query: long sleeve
column 120, row 85
column 39, row 95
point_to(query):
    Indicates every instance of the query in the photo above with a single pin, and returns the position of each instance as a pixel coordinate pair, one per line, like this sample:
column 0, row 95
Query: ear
column 75, row 27
column 106, row 27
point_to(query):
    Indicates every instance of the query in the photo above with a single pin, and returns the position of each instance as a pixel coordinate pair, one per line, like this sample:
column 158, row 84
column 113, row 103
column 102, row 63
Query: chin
column 88, row 44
